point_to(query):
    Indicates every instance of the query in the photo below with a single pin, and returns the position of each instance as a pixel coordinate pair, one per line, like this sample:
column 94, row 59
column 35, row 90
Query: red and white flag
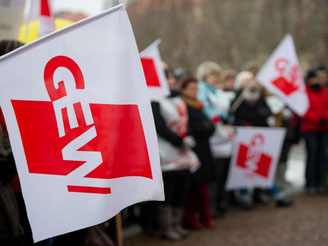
column 154, row 72
column 80, row 124
column 256, row 154
column 281, row 74
column 41, row 10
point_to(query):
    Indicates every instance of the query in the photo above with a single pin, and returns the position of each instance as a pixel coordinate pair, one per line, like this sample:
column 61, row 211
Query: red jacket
column 318, row 109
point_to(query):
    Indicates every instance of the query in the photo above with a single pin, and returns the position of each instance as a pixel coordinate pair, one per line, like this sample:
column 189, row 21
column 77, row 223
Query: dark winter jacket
column 201, row 128
column 252, row 114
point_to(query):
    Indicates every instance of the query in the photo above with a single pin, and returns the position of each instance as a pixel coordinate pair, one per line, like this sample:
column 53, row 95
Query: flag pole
column 240, row 99
column 118, row 228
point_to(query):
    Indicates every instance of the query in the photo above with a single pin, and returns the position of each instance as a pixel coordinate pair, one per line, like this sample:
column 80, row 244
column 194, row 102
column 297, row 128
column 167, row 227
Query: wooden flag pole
column 118, row 228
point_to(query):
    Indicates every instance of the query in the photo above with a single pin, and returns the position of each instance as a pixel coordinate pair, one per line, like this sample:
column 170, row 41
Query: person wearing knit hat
column 242, row 79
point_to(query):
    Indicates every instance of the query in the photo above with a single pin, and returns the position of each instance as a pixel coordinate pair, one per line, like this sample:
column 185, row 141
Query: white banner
column 256, row 155
column 154, row 72
column 80, row 124
column 281, row 74
column 11, row 17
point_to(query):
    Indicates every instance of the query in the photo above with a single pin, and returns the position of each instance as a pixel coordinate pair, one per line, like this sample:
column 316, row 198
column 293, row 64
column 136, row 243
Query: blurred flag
column 80, row 124
column 154, row 72
column 281, row 75
column 254, row 162
column 41, row 10
column 11, row 17
column 30, row 31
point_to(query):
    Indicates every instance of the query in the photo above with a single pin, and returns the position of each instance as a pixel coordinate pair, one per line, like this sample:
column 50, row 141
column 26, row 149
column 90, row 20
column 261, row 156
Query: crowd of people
column 195, row 125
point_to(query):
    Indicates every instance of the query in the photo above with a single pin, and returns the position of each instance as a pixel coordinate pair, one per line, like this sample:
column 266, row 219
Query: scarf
column 194, row 103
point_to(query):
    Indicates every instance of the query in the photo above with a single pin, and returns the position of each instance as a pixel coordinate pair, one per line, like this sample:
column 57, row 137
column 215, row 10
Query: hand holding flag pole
column 241, row 97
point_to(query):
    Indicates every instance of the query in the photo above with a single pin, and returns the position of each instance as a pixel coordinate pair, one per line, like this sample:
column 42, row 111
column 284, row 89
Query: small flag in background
column 42, row 11
column 154, row 72
column 281, row 75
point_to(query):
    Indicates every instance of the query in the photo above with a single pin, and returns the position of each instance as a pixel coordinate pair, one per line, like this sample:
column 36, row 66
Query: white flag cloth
column 154, row 72
column 41, row 10
column 281, row 74
column 80, row 124
column 256, row 155
column 11, row 17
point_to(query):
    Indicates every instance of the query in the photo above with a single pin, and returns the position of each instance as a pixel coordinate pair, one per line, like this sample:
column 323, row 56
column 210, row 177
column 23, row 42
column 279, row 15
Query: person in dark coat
column 198, row 201
column 254, row 111
column 176, row 182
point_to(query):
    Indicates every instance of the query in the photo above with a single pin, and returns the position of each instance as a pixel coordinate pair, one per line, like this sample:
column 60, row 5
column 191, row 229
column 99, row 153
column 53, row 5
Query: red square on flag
column 150, row 72
column 284, row 86
column 43, row 147
column 262, row 163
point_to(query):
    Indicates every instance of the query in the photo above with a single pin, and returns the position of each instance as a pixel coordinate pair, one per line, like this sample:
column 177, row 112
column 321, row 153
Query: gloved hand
column 189, row 142
column 323, row 121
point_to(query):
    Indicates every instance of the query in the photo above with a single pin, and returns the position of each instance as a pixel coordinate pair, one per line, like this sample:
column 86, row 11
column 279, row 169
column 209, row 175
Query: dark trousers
column 315, row 143
column 176, row 187
column 148, row 216
column 218, row 186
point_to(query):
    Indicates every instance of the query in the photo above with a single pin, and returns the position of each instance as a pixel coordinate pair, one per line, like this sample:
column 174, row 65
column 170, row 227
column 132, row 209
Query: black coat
column 202, row 128
column 162, row 129
column 252, row 114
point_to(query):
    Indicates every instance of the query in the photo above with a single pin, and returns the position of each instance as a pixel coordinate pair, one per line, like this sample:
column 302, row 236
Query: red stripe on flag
column 87, row 189
column 44, row 8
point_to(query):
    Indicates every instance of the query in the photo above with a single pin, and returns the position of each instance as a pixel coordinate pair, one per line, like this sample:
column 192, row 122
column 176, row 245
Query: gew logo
column 71, row 136
column 252, row 159
column 289, row 77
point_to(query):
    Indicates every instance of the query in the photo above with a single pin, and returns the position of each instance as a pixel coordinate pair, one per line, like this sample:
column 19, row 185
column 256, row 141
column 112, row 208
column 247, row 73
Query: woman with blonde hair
column 216, row 108
column 208, row 75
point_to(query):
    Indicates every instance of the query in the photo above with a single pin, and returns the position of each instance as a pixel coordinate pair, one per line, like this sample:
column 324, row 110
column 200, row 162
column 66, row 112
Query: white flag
column 11, row 17
column 154, row 72
column 256, row 155
column 41, row 10
column 80, row 124
column 281, row 74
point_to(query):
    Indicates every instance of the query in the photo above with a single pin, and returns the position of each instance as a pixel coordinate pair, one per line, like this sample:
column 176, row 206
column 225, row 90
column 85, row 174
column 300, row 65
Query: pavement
column 296, row 168
column 304, row 224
